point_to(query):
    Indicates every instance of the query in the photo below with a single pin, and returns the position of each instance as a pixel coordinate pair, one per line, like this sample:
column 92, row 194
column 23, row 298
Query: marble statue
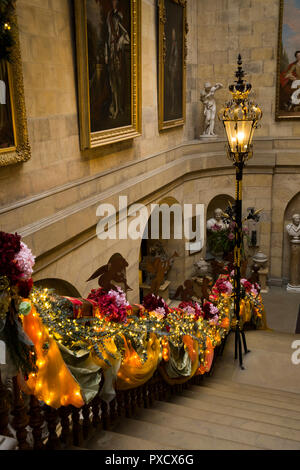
column 216, row 221
column 209, row 103
column 293, row 230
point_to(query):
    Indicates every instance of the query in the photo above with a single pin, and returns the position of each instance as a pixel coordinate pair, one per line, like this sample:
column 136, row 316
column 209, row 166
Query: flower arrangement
column 16, row 268
column 192, row 308
column 221, row 239
column 223, row 285
column 211, row 313
column 112, row 305
column 155, row 303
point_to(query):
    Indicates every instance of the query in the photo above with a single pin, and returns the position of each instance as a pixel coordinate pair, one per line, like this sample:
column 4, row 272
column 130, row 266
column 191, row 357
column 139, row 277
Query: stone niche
column 218, row 202
column 292, row 208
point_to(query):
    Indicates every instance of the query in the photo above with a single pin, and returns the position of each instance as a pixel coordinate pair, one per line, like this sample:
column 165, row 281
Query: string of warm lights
column 95, row 333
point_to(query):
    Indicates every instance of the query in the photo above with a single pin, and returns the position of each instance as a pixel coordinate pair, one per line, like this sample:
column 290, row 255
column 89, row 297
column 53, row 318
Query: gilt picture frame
column 14, row 142
column 172, row 55
column 108, row 45
column 288, row 61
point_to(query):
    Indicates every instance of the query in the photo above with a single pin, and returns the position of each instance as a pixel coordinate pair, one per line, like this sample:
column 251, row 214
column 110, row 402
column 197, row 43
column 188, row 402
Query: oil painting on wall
column 172, row 62
column 14, row 142
column 108, row 56
column 288, row 79
column 7, row 123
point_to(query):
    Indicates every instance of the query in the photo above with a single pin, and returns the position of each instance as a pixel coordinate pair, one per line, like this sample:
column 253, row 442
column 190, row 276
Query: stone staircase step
column 244, row 390
column 276, row 391
column 250, row 403
column 167, row 436
column 114, row 440
column 204, row 428
column 237, row 410
column 228, row 420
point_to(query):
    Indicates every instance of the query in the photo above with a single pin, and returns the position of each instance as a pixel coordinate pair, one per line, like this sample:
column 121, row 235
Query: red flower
column 151, row 302
column 24, row 288
column 10, row 245
column 247, row 286
column 189, row 307
column 108, row 307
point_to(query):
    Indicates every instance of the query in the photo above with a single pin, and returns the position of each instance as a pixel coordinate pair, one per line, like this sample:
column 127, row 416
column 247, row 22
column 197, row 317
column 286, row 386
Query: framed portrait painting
column 14, row 143
column 288, row 73
column 172, row 47
column 108, row 65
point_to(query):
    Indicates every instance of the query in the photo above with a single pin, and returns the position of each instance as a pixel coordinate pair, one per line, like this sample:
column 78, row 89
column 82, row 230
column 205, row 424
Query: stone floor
column 269, row 364
column 282, row 309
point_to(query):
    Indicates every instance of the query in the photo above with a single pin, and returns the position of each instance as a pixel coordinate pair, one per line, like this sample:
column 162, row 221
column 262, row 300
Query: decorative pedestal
column 163, row 290
column 294, row 284
column 263, row 276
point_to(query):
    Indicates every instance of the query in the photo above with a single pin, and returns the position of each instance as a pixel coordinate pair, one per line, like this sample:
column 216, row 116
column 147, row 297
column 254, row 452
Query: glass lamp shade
column 239, row 135
column 240, row 118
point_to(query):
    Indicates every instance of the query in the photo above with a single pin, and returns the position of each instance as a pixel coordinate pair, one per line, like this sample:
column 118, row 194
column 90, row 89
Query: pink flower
column 191, row 308
column 214, row 320
column 25, row 261
column 216, row 228
column 222, row 286
column 119, row 296
column 231, row 236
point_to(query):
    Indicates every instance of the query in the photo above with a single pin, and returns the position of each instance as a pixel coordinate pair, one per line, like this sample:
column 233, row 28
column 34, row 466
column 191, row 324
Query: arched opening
column 221, row 201
column 161, row 240
column 60, row 286
column 292, row 208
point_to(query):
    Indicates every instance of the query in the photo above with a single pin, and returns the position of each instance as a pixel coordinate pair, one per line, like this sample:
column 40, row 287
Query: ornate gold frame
column 162, row 19
column 21, row 151
column 278, row 113
column 88, row 139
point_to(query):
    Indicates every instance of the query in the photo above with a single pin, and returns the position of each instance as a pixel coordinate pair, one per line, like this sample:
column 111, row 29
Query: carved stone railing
column 37, row 426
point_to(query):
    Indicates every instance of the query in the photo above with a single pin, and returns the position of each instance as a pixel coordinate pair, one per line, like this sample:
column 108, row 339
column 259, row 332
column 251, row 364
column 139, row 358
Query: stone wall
column 52, row 199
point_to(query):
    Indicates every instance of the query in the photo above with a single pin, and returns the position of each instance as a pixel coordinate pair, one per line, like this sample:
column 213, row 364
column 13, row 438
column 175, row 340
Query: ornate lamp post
column 240, row 117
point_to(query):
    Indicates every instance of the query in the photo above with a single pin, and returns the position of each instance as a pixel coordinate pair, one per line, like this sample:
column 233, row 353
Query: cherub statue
column 209, row 103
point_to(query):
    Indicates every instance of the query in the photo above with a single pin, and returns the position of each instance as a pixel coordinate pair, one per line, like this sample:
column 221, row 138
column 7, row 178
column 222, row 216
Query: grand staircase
column 233, row 409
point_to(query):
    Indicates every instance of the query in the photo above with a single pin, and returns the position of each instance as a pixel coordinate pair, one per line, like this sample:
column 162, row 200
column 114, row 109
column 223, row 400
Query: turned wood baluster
column 4, row 409
column 21, row 418
column 161, row 390
column 150, row 387
column 76, row 426
column 113, row 410
column 121, row 403
column 86, row 421
column 128, row 409
column 146, row 396
column 104, row 415
column 51, row 416
column 96, row 422
column 167, row 391
column 139, row 395
column 133, row 400
column 64, row 414
column 156, row 390
column 36, row 422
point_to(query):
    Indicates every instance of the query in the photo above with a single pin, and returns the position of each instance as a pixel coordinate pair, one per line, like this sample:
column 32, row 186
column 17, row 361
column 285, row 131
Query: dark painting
column 109, row 63
column 173, row 67
column 7, row 138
